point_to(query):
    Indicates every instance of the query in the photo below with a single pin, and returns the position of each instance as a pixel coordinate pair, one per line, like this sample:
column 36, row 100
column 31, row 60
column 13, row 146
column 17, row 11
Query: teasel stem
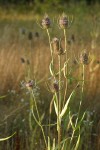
column 83, row 77
column 39, row 123
column 51, row 50
column 31, row 59
column 30, row 122
column 66, row 69
column 59, row 104
column 82, row 91
column 36, row 106
column 39, row 119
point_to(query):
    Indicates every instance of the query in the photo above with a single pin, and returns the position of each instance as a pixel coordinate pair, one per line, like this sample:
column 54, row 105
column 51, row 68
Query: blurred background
column 22, row 40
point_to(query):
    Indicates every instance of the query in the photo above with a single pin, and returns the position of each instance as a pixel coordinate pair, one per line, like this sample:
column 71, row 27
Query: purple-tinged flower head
column 29, row 84
column 30, row 36
column 84, row 58
column 46, row 22
column 63, row 21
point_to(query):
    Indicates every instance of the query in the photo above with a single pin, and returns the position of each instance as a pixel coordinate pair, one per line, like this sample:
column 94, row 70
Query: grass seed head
column 46, row 22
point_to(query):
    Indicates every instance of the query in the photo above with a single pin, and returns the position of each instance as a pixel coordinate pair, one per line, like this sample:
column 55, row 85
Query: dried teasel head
column 52, row 85
column 36, row 34
column 84, row 58
column 23, row 31
column 22, row 60
column 30, row 36
column 46, row 22
column 63, row 21
column 56, row 43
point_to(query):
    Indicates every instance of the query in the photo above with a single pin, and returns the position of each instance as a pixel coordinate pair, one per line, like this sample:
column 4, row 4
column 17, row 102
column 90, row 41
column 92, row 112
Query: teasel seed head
column 30, row 36
column 22, row 60
column 84, row 58
column 46, row 22
column 57, row 46
column 54, row 86
column 63, row 21
column 36, row 34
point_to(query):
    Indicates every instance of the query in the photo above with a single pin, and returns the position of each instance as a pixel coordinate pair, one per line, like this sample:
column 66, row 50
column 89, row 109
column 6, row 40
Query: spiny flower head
column 46, row 22
column 63, row 21
column 84, row 58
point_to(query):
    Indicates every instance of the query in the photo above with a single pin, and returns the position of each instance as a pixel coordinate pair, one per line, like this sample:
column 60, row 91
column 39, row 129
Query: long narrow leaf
column 70, row 118
column 78, row 143
column 51, row 69
column 55, row 104
column 79, row 123
column 2, row 96
column 48, row 143
column 66, row 105
column 54, row 145
column 3, row 139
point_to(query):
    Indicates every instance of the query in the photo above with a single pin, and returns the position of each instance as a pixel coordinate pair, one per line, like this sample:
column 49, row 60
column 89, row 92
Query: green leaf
column 79, row 123
column 70, row 118
column 66, row 105
column 51, row 69
column 48, row 143
column 53, row 148
column 78, row 143
column 55, row 104
column 3, row 139
column 2, row 96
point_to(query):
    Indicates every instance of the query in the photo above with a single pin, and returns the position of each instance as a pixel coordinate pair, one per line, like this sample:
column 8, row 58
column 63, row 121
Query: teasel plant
column 59, row 100
column 64, row 23
column 77, row 125
column 55, row 47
